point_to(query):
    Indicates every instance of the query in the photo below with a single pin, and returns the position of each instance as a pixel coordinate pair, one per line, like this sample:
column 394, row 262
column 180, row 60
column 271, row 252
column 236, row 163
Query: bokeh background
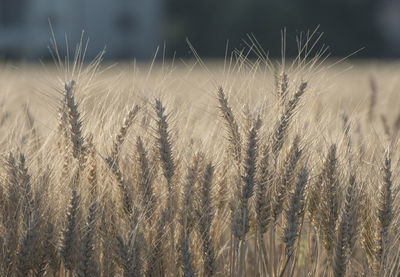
column 134, row 28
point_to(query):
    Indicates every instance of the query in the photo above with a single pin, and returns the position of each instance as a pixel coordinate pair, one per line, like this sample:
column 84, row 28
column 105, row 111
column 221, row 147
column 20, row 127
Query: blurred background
column 133, row 28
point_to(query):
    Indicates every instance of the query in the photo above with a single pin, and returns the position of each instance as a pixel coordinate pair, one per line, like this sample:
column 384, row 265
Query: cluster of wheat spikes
column 276, row 200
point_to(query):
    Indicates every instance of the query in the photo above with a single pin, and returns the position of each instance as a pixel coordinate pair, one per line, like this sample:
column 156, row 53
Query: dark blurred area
column 133, row 29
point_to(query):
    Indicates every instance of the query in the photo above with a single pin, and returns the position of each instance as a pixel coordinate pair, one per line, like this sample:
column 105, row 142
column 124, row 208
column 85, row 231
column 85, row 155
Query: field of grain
column 238, row 168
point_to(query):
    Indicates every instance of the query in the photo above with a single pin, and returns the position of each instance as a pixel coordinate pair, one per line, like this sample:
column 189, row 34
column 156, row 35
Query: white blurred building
column 389, row 25
column 126, row 28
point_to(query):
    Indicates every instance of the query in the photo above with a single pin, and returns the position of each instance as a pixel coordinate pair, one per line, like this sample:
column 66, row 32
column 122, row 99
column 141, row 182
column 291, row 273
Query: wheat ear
column 263, row 205
column 367, row 229
column 123, row 131
column 130, row 249
column 11, row 214
column 46, row 251
column 235, row 141
column 347, row 231
column 92, row 169
column 250, row 165
column 185, row 257
column 284, row 184
column 25, row 255
column 126, row 194
column 186, row 217
column 164, row 143
column 282, row 125
column 74, row 122
column 186, row 212
column 25, row 183
column 294, row 213
column 168, row 166
column 385, row 203
column 205, row 217
column 145, row 179
column 69, row 234
column 156, row 260
column 87, row 262
column 281, row 87
column 329, row 205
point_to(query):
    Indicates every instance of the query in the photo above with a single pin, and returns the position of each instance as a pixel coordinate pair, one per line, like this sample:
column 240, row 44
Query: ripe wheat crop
column 247, row 167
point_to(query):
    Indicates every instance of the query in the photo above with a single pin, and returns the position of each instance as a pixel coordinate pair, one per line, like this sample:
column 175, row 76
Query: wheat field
column 242, row 167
